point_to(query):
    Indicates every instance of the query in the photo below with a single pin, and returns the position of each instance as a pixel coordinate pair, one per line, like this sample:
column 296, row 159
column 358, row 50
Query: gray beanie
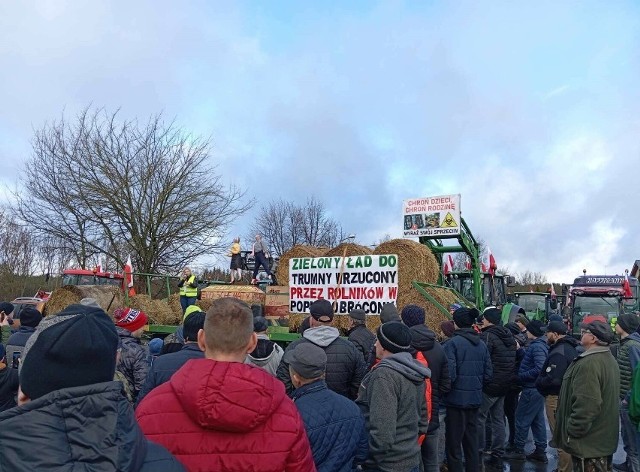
column 389, row 313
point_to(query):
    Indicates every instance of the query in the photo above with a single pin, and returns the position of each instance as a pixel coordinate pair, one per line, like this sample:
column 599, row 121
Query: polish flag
column 467, row 264
column 448, row 265
column 128, row 276
column 552, row 292
column 491, row 262
column 626, row 286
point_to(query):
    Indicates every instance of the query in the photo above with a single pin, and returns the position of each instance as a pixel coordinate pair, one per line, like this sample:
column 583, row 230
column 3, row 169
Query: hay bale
column 174, row 303
column 351, row 250
column 159, row 311
column 282, row 273
column 109, row 297
column 433, row 316
column 204, row 304
column 415, row 262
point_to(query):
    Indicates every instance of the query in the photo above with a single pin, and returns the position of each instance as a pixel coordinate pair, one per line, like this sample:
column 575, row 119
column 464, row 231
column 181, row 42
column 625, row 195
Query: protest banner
column 432, row 216
column 365, row 282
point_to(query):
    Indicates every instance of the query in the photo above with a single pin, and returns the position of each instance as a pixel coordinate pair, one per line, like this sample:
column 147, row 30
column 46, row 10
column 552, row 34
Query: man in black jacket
column 8, row 383
column 562, row 352
column 67, row 396
column 502, row 350
column 168, row 364
column 423, row 340
column 345, row 364
column 358, row 333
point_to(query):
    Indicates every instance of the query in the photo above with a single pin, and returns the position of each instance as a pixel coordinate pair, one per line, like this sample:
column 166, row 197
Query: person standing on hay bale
column 259, row 253
column 188, row 289
column 423, row 340
column 358, row 333
column 345, row 367
column 133, row 363
column 469, row 368
column 236, row 261
column 392, row 399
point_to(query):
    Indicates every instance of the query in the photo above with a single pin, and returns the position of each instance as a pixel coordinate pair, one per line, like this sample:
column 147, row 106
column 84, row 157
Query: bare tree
column 531, row 278
column 284, row 224
column 101, row 185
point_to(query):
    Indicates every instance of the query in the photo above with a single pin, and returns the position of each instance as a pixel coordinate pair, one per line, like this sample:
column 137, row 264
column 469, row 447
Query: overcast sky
column 530, row 110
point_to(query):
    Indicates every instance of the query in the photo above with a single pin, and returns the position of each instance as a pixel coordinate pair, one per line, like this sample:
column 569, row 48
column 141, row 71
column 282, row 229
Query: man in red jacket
column 218, row 413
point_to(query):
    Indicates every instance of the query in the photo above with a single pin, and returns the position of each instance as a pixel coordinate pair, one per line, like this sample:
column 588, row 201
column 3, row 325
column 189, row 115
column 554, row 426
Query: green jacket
column 634, row 399
column 587, row 419
column 628, row 357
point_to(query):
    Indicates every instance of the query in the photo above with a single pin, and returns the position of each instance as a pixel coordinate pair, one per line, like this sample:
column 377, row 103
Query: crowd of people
column 79, row 390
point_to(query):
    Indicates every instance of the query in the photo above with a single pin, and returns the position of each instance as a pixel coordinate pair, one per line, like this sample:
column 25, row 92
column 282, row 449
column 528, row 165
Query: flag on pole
column 100, row 266
column 128, row 276
column 552, row 292
column 447, row 267
column 626, row 286
column 491, row 262
column 467, row 264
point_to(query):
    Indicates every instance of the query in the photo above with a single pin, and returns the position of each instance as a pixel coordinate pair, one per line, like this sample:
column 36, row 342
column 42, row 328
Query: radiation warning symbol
column 449, row 222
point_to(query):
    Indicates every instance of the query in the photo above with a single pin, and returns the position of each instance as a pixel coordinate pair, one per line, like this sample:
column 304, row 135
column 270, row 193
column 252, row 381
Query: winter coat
column 561, row 354
column 89, row 428
column 502, row 351
column 345, row 364
column 168, row 364
column 133, row 361
column 424, row 340
column 628, row 356
column 334, row 425
column 267, row 355
column 392, row 400
column 363, row 339
column 469, row 368
column 8, row 387
column 226, row 416
column 587, row 418
column 16, row 343
column 531, row 366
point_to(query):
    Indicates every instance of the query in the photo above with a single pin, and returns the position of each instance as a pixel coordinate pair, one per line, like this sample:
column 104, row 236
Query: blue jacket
column 469, row 368
column 166, row 365
column 335, row 427
column 534, row 358
column 20, row 337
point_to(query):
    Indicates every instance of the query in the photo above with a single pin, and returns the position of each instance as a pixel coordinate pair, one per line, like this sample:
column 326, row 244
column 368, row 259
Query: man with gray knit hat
column 392, row 399
column 469, row 369
column 67, row 395
column 627, row 357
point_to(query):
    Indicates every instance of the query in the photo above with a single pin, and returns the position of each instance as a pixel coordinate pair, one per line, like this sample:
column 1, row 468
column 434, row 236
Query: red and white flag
column 626, row 286
column 100, row 266
column 128, row 276
column 447, row 267
column 467, row 264
column 491, row 265
column 552, row 292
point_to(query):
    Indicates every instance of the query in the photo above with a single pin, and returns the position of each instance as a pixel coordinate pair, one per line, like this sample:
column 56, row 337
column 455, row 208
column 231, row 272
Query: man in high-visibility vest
column 188, row 289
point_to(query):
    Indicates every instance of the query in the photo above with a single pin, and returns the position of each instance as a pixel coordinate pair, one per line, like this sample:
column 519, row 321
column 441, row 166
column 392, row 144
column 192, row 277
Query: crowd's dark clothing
column 424, row 341
column 363, row 339
column 502, row 350
column 133, row 360
column 89, row 428
column 469, row 369
column 16, row 343
column 462, row 438
column 392, row 399
column 335, row 427
column 345, row 364
column 267, row 355
column 167, row 365
column 226, row 416
column 627, row 356
column 534, row 358
column 9, row 382
column 561, row 354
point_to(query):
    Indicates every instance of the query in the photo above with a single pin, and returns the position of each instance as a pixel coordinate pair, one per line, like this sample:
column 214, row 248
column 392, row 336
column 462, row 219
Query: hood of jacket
column 264, row 351
column 126, row 336
column 570, row 340
column 322, row 335
column 469, row 334
column 26, row 329
column 89, row 428
column 404, row 363
column 227, row 396
column 502, row 333
column 422, row 338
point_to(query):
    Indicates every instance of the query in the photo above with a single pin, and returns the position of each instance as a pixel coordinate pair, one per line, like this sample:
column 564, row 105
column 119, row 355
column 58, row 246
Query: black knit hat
column 394, row 337
column 74, row 348
column 629, row 322
column 537, row 328
column 413, row 315
column 260, row 324
column 465, row 317
column 6, row 307
column 493, row 315
column 30, row 317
